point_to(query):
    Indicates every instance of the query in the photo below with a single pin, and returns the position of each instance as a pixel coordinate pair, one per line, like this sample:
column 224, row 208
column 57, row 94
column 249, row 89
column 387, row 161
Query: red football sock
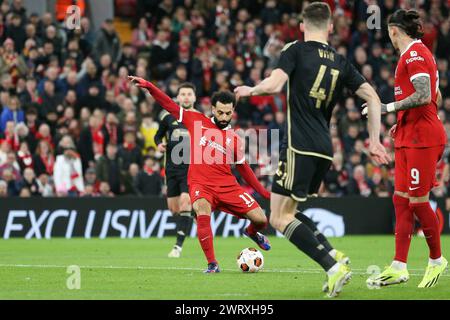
column 253, row 228
column 404, row 225
column 205, row 237
column 430, row 226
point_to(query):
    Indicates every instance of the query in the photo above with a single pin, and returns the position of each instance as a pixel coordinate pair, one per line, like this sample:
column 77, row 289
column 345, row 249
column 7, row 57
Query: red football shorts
column 231, row 199
column 415, row 169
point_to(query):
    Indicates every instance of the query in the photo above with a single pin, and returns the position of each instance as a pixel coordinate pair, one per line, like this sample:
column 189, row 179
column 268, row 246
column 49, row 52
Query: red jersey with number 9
column 418, row 127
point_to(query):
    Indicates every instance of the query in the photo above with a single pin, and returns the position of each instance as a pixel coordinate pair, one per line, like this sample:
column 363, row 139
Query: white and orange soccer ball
column 250, row 260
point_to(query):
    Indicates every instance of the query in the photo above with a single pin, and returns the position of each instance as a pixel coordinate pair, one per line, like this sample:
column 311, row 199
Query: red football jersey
column 213, row 150
column 417, row 127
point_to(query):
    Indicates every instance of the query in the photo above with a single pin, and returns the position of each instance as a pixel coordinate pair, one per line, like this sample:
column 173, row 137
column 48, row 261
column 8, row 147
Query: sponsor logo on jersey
column 418, row 58
column 398, row 91
column 413, row 53
column 212, row 144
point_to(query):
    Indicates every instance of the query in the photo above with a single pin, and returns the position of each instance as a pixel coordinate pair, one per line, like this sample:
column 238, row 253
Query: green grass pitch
column 139, row 269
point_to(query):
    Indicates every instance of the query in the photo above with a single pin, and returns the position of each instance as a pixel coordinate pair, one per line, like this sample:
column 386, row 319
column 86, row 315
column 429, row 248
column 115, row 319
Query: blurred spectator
column 29, row 182
column 129, row 151
column 67, row 174
column 105, row 190
column 337, row 177
column 51, row 103
column 359, row 184
column 90, row 178
column 12, row 112
column 148, row 131
column 108, row 42
column 91, row 142
column 382, row 186
column 109, row 169
column 142, row 36
column 45, row 187
column 149, row 181
column 131, row 180
column 11, row 165
column 163, row 54
column 44, row 159
column 24, row 157
column 112, row 130
column 10, row 61
column 11, row 181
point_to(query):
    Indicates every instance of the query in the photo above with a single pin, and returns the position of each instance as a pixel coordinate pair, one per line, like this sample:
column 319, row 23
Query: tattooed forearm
column 419, row 98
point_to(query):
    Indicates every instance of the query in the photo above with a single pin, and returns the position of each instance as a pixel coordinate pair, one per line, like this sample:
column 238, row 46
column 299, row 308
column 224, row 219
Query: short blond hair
column 317, row 15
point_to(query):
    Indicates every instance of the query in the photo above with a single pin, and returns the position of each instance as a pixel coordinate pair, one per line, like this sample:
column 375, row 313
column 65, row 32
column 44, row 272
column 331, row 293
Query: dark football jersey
column 177, row 139
column 317, row 77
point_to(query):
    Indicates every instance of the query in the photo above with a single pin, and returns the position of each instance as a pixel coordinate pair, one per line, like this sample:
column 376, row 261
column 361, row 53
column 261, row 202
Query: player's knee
column 277, row 223
column 185, row 203
column 202, row 212
column 174, row 208
column 202, row 208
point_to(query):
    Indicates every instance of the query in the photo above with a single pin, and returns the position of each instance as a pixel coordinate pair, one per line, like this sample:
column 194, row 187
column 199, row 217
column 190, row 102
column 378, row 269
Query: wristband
column 390, row 107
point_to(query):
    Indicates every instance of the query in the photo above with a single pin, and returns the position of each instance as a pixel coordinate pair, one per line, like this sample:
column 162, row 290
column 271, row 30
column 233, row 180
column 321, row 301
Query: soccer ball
column 250, row 260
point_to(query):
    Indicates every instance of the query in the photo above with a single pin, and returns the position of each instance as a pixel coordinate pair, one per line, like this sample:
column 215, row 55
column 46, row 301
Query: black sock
column 183, row 224
column 303, row 238
column 322, row 239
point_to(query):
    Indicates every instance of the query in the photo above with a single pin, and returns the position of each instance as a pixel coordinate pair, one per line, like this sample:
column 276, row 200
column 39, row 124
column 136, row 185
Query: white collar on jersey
column 226, row 128
column 410, row 44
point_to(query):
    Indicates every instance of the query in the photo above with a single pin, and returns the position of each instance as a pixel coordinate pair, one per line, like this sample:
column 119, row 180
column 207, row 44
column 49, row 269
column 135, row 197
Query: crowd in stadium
column 71, row 124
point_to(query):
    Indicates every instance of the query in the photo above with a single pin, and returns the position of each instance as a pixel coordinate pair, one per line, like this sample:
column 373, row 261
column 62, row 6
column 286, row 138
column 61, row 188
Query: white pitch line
column 306, row 271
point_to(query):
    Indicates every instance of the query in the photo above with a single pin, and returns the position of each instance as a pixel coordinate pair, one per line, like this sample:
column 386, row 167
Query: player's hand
column 139, row 82
column 242, row 91
column 392, row 131
column 162, row 147
column 378, row 153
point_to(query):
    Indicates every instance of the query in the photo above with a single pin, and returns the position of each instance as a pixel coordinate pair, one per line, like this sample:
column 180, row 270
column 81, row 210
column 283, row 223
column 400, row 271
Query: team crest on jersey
column 398, row 91
column 413, row 53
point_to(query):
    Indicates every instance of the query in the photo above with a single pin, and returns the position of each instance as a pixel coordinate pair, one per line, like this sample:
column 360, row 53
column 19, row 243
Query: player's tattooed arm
column 419, row 98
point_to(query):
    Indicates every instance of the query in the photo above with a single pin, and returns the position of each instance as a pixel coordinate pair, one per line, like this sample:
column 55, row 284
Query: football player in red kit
column 212, row 185
column 419, row 138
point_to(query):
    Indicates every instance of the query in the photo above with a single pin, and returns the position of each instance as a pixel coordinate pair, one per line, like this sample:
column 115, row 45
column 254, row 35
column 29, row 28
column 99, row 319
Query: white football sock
column 333, row 269
column 435, row 262
column 398, row 265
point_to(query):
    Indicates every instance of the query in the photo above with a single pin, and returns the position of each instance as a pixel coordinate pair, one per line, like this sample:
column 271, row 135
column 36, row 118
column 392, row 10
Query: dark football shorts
column 299, row 176
column 176, row 181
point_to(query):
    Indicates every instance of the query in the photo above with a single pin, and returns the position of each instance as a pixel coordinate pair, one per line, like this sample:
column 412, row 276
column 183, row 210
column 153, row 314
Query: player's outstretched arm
column 163, row 99
column 270, row 85
column 249, row 176
column 368, row 94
